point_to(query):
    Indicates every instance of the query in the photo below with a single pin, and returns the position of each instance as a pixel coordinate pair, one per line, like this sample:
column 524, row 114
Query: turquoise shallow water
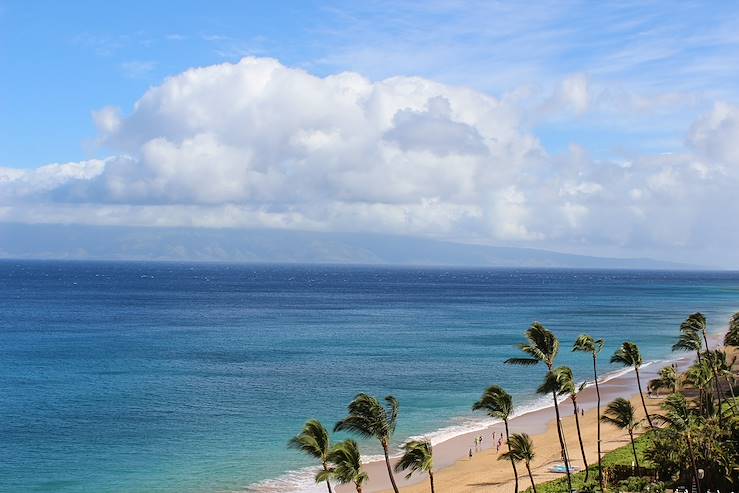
column 160, row 377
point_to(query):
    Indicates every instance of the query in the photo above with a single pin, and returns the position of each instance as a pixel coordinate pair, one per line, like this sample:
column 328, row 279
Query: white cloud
column 258, row 144
column 716, row 134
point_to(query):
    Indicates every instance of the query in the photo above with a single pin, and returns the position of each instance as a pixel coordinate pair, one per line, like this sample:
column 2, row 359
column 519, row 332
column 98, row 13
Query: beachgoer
column 470, row 453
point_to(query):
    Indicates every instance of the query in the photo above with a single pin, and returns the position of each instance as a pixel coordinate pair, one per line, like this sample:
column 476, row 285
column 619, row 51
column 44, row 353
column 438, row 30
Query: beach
column 456, row 472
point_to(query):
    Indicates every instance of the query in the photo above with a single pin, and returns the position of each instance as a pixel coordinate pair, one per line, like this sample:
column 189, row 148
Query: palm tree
column 543, row 346
column 696, row 322
column 563, row 381
column 667, row 380
column 700, row 376
column 417, row 456
column 689, row 341
column 629, row 355
column 724, row 368
column 498, row 404
column 681, row 421
column 369, row 419
column 521, row 448
column 347, row 465
column 314, row 441
column 732, row 336
column 622, row 414
column 586, row 344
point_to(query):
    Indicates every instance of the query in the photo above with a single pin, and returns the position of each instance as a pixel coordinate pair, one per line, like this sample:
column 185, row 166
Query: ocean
column 184, row 377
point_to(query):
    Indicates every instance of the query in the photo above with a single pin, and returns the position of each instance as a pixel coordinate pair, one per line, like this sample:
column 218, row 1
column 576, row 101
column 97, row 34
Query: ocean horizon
column 191, row 377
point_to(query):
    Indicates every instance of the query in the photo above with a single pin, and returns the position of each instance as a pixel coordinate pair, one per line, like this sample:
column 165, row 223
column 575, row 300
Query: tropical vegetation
column 417, row 456
column 692, row 441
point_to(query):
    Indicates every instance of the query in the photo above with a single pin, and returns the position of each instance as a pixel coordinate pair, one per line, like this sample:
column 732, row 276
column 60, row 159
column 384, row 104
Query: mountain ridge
column 76, row 242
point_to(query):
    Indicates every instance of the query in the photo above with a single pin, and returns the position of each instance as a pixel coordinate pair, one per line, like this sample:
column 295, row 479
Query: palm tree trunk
column 579, row 437
column 718, row 392
column 733, row 397
column 389, row 469
column 359, row 488
column 641, row 394
column 633, row 448
column 715, row 378
column 562, row 443
column 597, row 393
column 705, row 339
column 531, row 477
column 692, row 462
column 328, row 482
column 431, row 477
column 513, row 462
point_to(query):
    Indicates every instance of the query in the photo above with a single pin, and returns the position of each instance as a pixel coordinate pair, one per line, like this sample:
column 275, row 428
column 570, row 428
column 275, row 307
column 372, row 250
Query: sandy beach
column 457, row 473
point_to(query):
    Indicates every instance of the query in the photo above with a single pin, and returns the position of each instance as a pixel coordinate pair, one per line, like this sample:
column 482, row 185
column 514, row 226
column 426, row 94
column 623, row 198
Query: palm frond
column 417, row 456
column 688, row 341
column 520, row 448
column 496, row 402
column 559, row 380
column 369, row 419
column 347, row 463
column 628, row 355
column 313, row 440
column 621, row 414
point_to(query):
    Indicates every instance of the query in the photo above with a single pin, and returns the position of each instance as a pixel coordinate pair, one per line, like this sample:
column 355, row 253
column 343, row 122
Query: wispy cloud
column 136, row 69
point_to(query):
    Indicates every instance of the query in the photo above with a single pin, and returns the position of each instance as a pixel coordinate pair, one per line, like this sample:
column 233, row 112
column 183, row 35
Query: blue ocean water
column 162, row 377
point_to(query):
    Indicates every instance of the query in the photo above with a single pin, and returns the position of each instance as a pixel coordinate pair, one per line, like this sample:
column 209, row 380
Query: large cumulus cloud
column 258, row 144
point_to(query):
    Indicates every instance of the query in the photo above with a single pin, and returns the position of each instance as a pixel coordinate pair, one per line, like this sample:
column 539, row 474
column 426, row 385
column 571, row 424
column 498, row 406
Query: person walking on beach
column 470, row 453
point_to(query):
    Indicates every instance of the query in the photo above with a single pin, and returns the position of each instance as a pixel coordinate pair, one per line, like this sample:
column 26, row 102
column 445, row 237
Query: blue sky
column 604, row 111
column 64, row 59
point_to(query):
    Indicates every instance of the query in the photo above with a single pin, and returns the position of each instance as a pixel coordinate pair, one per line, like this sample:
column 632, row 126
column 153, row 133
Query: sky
column 602, row 128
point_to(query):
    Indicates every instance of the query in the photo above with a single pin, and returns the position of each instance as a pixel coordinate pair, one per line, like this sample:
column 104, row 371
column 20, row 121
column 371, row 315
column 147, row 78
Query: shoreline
column 537, row 423
column 451, row 453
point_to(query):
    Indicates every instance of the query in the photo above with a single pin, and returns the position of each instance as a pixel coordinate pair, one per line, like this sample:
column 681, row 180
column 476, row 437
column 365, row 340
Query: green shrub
column 641, row 484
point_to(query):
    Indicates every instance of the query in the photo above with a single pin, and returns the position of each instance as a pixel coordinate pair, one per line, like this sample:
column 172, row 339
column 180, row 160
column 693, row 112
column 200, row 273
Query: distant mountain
column 277, row 246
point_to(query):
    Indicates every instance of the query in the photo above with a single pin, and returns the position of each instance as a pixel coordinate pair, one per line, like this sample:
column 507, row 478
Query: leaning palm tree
column 689, row 341
column 498, row 404
column 417, row 456
column 347, row 465
column 696, row 322
column 542, row 346
column 521, row 448
column 587, row 344
column 314, row 441
column 667, row 380
column 629, row 355
column 369, row 419
column 563, row 381
column 622, row 414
